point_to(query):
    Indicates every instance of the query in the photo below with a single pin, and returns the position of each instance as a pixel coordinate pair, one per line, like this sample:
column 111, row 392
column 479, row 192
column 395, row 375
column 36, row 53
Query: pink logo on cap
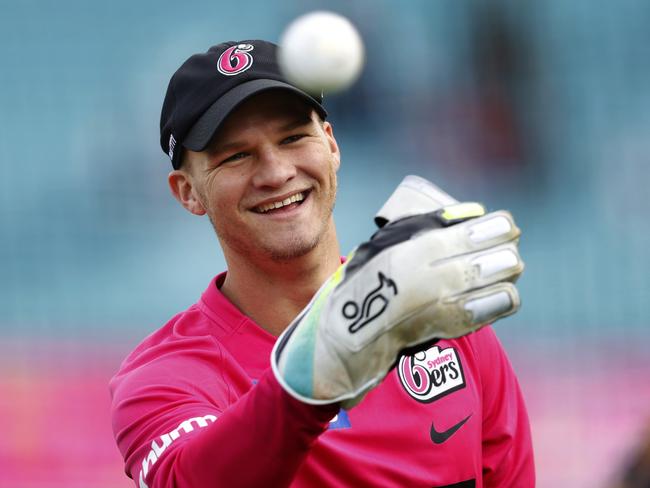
column 235, row 60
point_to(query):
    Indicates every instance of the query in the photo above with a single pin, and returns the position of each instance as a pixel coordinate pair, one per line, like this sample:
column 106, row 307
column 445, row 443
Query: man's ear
column 183, row 189
column 333, row 145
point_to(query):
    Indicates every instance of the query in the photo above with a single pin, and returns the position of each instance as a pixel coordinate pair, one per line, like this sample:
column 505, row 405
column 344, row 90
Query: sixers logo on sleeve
column 431, row 374
column 235, row 60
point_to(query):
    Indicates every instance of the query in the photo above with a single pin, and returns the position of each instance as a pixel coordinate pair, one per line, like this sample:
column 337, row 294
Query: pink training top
column 196, row 405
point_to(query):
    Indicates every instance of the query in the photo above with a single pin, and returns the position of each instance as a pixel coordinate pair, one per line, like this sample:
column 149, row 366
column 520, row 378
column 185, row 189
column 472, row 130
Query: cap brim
column 204, row 129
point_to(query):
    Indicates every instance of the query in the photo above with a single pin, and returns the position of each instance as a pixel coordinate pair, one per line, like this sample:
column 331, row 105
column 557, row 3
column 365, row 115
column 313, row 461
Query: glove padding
column 434, row 275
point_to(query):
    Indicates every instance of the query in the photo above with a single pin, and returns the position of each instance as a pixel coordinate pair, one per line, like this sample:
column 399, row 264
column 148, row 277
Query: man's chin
column 290, row 251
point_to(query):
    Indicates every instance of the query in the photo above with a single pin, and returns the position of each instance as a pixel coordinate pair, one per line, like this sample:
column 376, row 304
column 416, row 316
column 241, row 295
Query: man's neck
column 272, row 294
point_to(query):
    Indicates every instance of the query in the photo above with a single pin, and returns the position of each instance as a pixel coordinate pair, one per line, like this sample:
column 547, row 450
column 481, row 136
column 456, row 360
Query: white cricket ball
column 321, row 52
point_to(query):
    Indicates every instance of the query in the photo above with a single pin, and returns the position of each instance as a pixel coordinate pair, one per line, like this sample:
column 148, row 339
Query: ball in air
column 321, row 52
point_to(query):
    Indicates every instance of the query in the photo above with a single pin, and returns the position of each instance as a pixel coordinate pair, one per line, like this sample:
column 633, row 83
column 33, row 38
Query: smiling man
column 268, row 184
column 282, row 373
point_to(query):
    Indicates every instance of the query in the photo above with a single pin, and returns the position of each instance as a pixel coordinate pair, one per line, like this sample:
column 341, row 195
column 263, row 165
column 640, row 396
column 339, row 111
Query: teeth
column 298, row 197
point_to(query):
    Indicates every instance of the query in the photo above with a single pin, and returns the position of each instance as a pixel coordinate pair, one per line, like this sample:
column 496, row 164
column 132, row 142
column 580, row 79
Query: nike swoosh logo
column 440, row 437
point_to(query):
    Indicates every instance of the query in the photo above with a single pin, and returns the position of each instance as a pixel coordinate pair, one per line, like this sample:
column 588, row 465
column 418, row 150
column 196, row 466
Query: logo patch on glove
column 374, row 304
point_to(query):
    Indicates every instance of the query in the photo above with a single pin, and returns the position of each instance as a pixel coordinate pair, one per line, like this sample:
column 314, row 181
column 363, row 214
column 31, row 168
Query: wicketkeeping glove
column 441, row 274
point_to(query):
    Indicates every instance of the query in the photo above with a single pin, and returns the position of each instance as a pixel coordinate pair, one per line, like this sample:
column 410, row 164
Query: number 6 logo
column 235, row 60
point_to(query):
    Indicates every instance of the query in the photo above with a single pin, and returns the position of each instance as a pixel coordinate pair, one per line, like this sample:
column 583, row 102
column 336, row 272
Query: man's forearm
column 243, row 446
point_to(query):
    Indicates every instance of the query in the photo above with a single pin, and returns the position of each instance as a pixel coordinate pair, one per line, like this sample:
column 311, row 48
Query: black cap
column 208, row 86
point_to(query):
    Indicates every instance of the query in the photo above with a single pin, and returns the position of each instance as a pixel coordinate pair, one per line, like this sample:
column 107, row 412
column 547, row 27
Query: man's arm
column 507, row 447
column 182, row 432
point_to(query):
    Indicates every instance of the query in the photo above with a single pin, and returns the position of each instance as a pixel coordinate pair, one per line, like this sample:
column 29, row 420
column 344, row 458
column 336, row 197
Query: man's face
column 268, row 179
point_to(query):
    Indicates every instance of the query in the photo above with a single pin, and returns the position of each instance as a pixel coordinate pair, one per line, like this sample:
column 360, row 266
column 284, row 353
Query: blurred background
column 539, row 107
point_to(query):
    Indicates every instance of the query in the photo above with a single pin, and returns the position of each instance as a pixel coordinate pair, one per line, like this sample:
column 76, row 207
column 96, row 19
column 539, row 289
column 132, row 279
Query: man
column 204, row 401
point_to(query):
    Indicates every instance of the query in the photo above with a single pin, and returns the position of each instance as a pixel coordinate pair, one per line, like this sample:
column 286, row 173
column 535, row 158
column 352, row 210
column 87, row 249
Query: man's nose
column 273, row 169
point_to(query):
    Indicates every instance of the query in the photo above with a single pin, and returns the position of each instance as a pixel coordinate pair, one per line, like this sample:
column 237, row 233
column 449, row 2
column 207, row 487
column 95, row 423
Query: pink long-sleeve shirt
column 196, row 405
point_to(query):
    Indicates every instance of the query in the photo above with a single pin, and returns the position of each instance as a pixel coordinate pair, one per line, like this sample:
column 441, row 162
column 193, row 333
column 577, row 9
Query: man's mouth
column 293, row 200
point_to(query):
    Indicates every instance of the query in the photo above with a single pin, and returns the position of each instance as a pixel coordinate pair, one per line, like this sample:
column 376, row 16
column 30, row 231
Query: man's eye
column 293, row 138
column 234, row 157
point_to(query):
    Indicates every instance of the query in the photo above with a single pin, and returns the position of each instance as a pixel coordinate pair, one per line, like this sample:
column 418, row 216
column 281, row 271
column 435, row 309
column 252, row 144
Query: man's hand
column 441, row 274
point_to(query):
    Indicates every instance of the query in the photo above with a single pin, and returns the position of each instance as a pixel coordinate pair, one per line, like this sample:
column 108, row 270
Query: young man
column 214, row 398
